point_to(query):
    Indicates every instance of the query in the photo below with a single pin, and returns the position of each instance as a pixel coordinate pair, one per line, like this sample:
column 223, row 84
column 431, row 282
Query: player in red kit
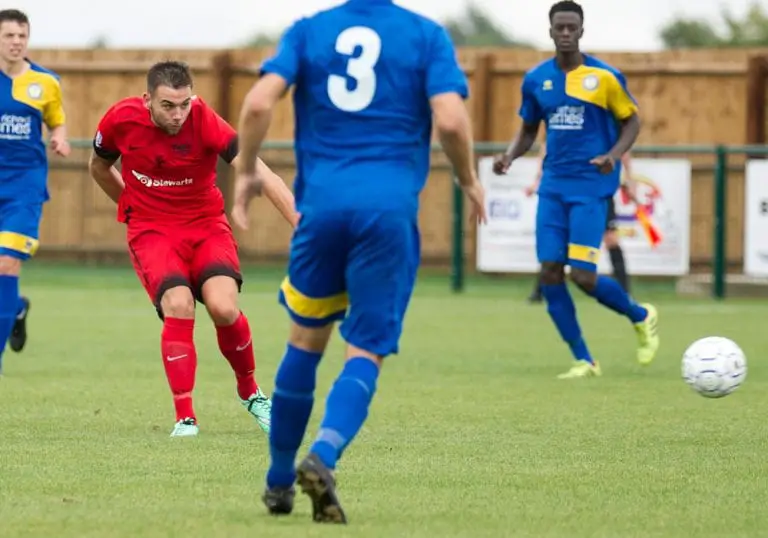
column 179, row 239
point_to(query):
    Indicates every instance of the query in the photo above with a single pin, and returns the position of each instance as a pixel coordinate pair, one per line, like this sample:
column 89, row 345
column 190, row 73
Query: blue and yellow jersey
column 361, row 100
column 27, row 103
column 583, row 110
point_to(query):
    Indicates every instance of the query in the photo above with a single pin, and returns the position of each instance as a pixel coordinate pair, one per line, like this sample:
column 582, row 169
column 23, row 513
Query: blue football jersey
column 27, row 103
column 582, row 111
column 363, row 73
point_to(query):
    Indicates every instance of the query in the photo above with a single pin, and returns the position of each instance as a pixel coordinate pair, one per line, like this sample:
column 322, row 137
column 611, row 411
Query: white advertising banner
column 507, row 244
column 756, row 219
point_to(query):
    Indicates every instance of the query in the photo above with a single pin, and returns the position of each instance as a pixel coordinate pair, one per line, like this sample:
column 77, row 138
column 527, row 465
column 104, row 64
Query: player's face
column 566, row 31
column 169, row 107
column 13, row 41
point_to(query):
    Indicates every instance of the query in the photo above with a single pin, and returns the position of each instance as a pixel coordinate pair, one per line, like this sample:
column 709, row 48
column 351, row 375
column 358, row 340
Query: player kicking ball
column 179, row 239
column 591, row 121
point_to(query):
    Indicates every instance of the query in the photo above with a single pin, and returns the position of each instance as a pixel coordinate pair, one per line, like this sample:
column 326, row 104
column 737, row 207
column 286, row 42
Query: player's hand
column 628, row 192
column 530, row 190
column 501, row 164
column 60, row 146
column 605, row 163
column 246, row 188
column 476, row 194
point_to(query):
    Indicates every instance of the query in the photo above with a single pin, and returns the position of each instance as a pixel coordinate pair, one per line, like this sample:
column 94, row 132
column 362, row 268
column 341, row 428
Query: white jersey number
column 360, row 69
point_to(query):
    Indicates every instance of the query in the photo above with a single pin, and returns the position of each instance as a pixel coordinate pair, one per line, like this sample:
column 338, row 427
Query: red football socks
column 236, row 345
column 180, row 362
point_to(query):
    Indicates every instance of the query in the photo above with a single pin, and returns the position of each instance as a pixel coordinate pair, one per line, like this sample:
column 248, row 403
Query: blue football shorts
column 19, row 228
column 356, row 267
column 569, row 230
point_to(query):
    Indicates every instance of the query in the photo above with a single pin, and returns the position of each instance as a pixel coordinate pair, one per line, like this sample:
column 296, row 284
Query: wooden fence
column 686, row 97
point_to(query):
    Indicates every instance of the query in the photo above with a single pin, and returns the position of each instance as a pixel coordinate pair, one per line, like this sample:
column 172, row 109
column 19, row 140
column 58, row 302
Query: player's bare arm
column 59, row 143
column 628, row 184
column 255, row 117
column 106, row 176
column 630, row 128
column 519, row 146
column 455, row 132
column 273, row 187
column 534, row 187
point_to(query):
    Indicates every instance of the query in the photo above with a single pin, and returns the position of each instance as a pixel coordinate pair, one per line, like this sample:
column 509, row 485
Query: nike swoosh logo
column 177, row 357
column 244, row 346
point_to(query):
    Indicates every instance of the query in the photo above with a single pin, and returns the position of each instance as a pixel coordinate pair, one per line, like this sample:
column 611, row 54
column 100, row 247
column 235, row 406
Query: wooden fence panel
column 686, row 97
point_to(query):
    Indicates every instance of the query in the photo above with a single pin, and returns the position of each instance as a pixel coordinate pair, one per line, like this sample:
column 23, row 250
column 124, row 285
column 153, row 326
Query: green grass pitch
column 470, row 434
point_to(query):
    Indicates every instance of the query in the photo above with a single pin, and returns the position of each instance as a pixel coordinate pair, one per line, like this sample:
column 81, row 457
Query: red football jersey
column 168, row 178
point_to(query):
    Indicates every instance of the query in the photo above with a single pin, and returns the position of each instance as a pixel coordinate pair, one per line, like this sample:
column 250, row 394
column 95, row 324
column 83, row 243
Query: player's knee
column 354, row 352
column 552, row 273
column 312, row 339
column 611, row 239
column 219, row 293
column 584, row 279
column 224, row 311
column 178, row 302
column 10, row 266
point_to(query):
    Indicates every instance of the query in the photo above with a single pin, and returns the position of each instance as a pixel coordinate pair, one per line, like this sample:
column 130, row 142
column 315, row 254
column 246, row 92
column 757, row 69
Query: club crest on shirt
column 590, row 82
column 35, row 91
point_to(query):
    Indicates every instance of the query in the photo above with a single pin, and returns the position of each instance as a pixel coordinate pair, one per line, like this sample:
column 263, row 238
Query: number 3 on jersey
column 360, row 69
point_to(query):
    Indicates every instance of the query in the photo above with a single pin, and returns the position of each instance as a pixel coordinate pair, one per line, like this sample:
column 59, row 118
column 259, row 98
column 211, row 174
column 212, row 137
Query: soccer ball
column 714, row 366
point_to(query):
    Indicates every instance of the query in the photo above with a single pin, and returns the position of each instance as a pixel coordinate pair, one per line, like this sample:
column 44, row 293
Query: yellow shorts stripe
column 583, row 253
column 19, row 243
column 313, row 308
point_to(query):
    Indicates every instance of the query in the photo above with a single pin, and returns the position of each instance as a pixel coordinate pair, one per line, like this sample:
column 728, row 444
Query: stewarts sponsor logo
column 152, row 182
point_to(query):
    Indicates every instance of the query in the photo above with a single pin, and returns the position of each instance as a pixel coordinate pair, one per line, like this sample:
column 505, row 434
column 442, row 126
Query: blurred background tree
column 476, row 28
column 471, row 28
column 749, row 31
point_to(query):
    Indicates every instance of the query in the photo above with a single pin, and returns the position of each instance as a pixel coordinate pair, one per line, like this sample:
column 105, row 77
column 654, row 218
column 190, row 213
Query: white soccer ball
column 714, row 366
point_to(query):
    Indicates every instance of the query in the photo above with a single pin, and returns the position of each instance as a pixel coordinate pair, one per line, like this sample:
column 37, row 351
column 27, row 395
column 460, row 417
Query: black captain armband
column 107, row 155
column 230, row 152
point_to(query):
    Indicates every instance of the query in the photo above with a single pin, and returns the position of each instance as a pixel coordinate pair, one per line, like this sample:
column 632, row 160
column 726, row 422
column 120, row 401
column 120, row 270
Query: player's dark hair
column 566, row 6
column 13, row 15
column 172, row 74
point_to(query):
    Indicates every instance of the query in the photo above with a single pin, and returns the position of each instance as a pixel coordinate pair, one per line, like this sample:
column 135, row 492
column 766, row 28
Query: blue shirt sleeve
column 444, row 74
column 287, row 58
column 530, row 110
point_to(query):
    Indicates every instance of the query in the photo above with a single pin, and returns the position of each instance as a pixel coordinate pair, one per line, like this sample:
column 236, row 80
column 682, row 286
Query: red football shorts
column 167, row 256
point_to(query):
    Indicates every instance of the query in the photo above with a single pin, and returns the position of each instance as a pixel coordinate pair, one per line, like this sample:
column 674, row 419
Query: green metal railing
column 720, row 184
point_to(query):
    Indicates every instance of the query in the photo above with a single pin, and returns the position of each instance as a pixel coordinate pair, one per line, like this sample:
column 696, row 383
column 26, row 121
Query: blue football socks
column 609, row 293
column 9, row 301
column 292, row 402
column 563, row 313
column 346, row 409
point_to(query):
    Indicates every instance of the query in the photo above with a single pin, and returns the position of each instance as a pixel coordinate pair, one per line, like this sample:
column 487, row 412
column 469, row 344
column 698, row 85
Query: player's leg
column 217, row 281
column 18, row 338
column 535, row 296
column 611, row 240
column 19, row 225
column 551, row 249
column 380, row 275
column 161, row 264
column 314, row 295
column 587, row 218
